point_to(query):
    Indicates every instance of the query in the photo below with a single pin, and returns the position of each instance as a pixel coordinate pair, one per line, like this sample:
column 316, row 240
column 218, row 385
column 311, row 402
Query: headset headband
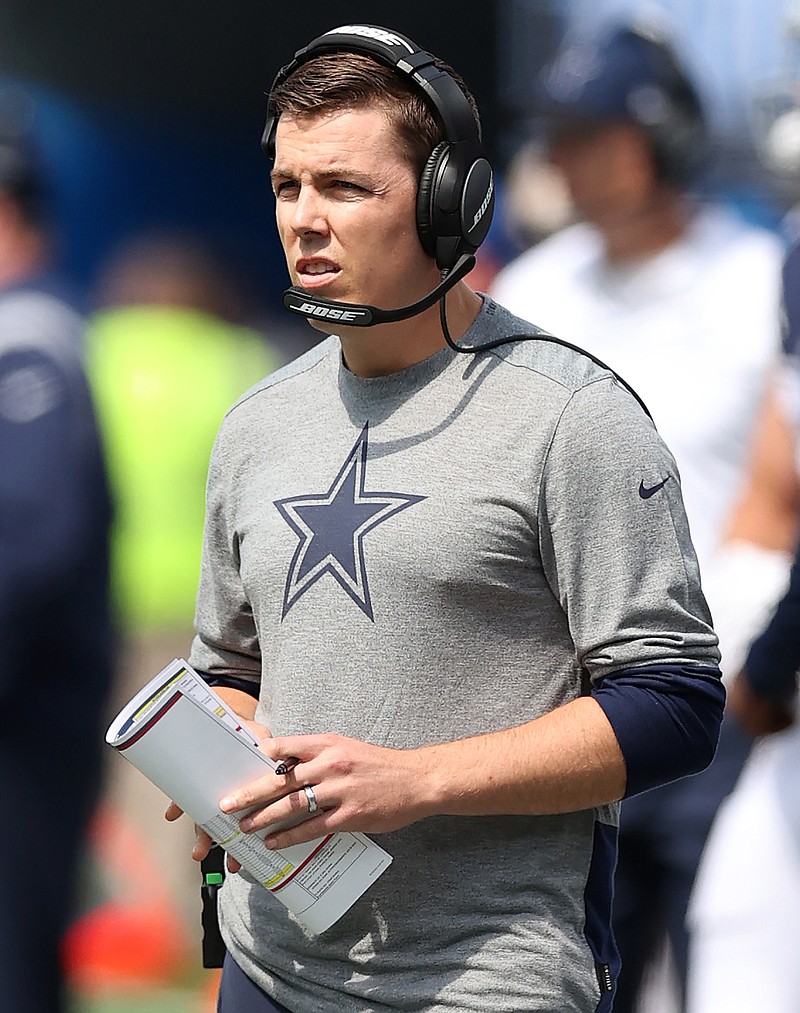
column 399, row 52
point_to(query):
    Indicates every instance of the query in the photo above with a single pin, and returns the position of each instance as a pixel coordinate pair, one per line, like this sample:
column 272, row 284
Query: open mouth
column 314, row 273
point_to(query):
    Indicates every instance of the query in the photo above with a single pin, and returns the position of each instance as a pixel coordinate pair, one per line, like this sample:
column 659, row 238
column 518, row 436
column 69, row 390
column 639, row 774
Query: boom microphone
column 298, row 300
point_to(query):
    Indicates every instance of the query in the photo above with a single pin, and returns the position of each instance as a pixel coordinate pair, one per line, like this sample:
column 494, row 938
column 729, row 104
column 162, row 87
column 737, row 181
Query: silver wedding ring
column 312, row 798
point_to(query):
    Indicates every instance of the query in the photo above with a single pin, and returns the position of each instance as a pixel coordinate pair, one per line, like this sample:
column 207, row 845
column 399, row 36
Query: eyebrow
column 356, row 175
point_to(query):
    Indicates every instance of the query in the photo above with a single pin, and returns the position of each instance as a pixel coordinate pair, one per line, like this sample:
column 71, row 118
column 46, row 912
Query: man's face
column 346, row 209
column 608, row 169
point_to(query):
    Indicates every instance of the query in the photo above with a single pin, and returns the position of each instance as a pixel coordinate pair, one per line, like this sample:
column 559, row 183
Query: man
column 432, row 576
column 682, row 298
column 54, row 616
column 744, row 905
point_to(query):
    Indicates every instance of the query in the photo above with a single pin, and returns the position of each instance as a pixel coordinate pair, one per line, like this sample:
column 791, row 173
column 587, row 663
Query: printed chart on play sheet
column 189, row 743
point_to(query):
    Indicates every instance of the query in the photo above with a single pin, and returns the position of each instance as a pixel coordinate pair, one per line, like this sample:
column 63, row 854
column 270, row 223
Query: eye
column 346, row 184
column 285, row 187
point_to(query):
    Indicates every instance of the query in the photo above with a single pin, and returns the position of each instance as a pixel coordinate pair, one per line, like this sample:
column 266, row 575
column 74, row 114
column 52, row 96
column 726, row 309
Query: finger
column 258, row 731
column 295, row 759
column 323, row 823
column 173, row 812
column 263, row 791
column 233, row 865
column 291, row 808
column 302, row 747
column 202, row 844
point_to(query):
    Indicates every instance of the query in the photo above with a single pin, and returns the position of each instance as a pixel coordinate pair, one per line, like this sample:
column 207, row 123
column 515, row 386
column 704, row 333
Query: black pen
column 286, row 765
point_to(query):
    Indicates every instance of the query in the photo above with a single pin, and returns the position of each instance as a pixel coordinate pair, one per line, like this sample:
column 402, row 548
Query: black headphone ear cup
column 426, row 196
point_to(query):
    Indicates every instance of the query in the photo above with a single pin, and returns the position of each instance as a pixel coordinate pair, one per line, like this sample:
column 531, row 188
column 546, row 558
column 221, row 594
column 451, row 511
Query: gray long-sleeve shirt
column 450, row 550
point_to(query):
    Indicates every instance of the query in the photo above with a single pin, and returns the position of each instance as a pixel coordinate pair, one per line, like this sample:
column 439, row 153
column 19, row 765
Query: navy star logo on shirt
column 332, row 526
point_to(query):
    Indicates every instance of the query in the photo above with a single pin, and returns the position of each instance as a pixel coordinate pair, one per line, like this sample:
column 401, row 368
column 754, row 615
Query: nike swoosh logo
column 646, row 492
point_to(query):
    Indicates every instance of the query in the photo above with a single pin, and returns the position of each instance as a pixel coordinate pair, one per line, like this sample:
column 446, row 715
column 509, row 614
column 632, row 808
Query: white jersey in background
column 693, row 329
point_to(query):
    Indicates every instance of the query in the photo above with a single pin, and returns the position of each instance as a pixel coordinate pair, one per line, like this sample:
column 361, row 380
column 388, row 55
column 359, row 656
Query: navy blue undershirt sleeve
column 666, row 719
column 232, row 682
column 773, row 661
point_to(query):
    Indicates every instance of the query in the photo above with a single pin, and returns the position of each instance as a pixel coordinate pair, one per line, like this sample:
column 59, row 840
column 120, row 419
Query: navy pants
column 48, row 786
column 238, row 994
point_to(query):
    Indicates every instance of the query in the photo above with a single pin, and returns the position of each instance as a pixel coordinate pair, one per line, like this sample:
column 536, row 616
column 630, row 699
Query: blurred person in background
column 166, row 357
column 681, row 297
column 55, row 632
column 537, row 202
column 743, row 912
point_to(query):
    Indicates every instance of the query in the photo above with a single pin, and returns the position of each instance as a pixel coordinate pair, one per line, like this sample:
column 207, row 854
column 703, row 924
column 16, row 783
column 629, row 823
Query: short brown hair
column 332, row 82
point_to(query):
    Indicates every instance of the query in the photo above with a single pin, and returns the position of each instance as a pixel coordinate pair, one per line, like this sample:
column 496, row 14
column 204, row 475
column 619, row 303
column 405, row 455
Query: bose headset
column 455, row 197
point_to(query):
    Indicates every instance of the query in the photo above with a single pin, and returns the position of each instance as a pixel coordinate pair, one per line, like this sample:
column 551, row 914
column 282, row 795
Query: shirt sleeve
column 226, row 644
column 773, row 661
column 676, row 707
column 617, row 553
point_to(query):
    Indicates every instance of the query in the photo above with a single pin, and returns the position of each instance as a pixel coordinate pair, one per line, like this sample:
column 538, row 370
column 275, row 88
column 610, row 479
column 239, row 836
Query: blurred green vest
column 162, row 378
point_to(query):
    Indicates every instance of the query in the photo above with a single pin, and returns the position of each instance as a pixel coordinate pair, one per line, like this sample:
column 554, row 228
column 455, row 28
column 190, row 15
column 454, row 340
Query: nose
column 308, row 215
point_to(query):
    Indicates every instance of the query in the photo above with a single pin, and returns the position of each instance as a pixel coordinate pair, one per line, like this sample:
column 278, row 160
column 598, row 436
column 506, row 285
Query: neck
column 390, row 348
column 650, row 230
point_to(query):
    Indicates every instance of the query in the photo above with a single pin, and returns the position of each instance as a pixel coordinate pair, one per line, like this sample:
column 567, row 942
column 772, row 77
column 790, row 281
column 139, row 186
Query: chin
column 326, row 326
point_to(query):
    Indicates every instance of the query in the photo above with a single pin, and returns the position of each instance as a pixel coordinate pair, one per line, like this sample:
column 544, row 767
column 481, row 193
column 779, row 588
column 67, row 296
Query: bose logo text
column 482, row 209
column 309, row 309
column 368, row 32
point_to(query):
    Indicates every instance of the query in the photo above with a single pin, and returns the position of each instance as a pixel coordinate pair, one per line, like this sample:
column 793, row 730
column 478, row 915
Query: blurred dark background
column 149, row 114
